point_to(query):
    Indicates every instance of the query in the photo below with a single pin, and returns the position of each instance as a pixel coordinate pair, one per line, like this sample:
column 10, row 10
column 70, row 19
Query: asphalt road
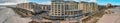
column 7, row 15
column 111, row 18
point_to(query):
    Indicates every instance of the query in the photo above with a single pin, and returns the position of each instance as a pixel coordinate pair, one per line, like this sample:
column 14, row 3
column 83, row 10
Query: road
column 7, row 15
column 111, row 18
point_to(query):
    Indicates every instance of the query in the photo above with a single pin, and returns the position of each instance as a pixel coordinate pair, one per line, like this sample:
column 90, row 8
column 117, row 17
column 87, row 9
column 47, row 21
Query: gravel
column 7, row 15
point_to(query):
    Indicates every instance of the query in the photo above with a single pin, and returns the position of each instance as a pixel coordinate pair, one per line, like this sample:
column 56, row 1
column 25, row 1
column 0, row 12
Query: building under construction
column 60, row 11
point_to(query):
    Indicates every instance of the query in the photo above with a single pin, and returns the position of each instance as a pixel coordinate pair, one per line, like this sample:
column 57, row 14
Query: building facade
column 57, row 8
column 28, row 6
column 70, row 11
column 33, row 7
column 83, row 6
column 66, row 10
column 93, row 7
column 26, row 9
column 44, row 7
column 62, row 8
column 87, row 7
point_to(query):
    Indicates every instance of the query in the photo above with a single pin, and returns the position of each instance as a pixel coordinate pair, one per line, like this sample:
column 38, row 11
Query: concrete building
column 44, row 7
column 83, row 6
column 66, row 11
column 27, row 9
column 57, row 8
column 93, row 7
column 61, row 11
column 61, row 7
column 28, row 6
column 71, row 8
column 70, row 5
column 87, row 7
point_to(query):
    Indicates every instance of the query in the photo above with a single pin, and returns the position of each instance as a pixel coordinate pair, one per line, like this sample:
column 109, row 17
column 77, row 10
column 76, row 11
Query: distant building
column 44, row 7
column 34, row 7
column 108, row 5
column 28, row 6
column 26, row 9
column 100, row 7
column 93, row 7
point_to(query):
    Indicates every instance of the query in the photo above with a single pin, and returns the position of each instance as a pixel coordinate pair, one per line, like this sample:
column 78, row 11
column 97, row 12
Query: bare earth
column 111, row 18
column 7, row 15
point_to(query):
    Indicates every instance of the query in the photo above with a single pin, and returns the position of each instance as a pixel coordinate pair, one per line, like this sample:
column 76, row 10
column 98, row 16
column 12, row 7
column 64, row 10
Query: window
column 58, row 7
column 58, row 12
column 63, row 14
column 55, row 12
column 67, row 7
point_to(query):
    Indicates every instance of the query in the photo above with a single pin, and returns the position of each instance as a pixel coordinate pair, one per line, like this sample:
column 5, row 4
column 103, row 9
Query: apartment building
column 66, row 10
column 57, row 8
column 93, row 7
column 26, row 9
column 44, row 7
column 87, row 7
column 33, row 7
column 62, row 8
column 83, row 6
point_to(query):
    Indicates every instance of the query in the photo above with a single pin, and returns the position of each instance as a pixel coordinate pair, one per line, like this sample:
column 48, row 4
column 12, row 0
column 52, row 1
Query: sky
column 11, row 2
column 99, row 2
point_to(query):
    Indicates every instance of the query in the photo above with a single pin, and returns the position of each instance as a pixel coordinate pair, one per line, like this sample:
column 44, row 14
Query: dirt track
column 111, row 18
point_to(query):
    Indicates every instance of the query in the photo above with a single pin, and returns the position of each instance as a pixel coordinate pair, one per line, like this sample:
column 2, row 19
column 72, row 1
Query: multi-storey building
column 57, row 8
column 93, row 7
column 26, row 9
column 69, row 11
column 66, row 10
column 44, row 7
column 28, row 6
column 83, row 6
column 62, row 8
column 71, row 8
column 34, row 7
column 87, row 7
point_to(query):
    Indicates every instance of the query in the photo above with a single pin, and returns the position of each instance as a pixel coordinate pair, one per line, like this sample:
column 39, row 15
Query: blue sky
column 100, row 2
column 104, row 2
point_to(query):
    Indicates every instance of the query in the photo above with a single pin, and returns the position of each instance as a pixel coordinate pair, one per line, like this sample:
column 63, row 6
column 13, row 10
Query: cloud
column 49, row 2
column 92, row 1
column 46, row 3
column 11, row 2
column 8, row 3
column 77, row 0
column 85, row 0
